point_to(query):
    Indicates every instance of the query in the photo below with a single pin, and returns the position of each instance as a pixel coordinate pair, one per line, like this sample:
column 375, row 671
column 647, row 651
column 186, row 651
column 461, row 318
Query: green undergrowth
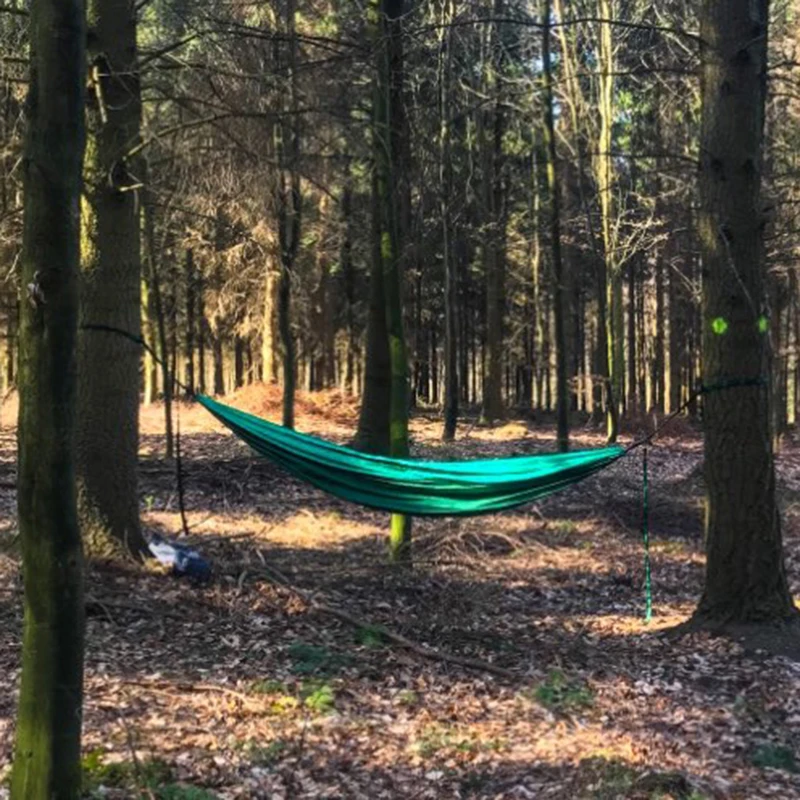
column 774, row 756
column 604, row 778
column 561, row 693
column 149, row 779
column 310, row 659
column 436, row 740
column 314, row 694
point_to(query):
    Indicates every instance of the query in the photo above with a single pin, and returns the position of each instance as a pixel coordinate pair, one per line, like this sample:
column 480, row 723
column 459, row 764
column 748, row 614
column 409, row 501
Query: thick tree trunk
column 108, row 364
column 48, row 736
column 745, row 574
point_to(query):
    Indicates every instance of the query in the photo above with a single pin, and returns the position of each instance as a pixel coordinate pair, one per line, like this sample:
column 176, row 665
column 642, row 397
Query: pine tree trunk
column 559, row 287
column 389, row 130
column 451, row 378
column 108, row 364
column 190, row 323
column 745, row 574
column 47, row 762
column 494, row 254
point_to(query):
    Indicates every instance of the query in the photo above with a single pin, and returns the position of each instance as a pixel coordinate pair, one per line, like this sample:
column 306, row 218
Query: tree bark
column 559, row 286
column 494, row 254
column 108, row 364
column 451, row 377
column 745, row 573
column 48, row 736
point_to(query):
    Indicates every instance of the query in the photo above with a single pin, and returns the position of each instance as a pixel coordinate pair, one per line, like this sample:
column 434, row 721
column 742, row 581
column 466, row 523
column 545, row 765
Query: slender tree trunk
column 745, row 573
column 289, row 205
column 614, row 312
column 160, row 318
column 190, row 322
column 348, row 273
column 451, row 377
column 108, row 364
column 495, row 237
column 48, row 735
column 389, row 128
column 559, row 285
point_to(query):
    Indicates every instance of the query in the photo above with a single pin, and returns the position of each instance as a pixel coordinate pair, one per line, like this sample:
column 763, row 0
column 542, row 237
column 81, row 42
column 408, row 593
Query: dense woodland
column 577, row 214
column 252, row 165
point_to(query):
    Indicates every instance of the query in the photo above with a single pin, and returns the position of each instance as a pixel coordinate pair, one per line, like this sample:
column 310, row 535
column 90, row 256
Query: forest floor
column 250, row 690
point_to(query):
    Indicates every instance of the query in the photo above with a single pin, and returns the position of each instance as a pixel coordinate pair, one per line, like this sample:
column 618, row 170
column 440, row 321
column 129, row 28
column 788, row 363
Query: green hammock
column 420, row 488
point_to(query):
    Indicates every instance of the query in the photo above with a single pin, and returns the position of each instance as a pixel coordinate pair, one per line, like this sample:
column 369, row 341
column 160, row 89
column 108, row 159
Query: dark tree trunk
column 108, row 364
column 745, row 574
column 47, row 762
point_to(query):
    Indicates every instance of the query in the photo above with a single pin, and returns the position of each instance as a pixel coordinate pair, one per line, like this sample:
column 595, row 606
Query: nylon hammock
column 419, row 488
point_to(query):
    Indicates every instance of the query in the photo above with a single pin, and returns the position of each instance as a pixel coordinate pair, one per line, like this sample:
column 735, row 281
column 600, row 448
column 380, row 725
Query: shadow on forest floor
column 243, row 687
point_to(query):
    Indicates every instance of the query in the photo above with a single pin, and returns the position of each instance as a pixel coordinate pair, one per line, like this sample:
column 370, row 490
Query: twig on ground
column 426, row 652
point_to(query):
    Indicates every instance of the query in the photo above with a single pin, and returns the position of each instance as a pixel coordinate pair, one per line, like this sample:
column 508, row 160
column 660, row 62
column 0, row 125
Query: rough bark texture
column 451, row 377
column 494, row 252
column 745, row 576
column 559, row 285
column 108, row 364
column 47, row 756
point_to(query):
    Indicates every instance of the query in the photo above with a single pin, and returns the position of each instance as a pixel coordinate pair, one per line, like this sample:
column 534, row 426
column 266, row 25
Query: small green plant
column 371, row 636
column 606, row 778
column 309, row 659
column 318, row 697
column 262, row 756
column 408, row 697
column 774, row 756
column 148, row 776
column 562, row 694
column 566, row 527
column 267, row 686
column 434, row 739
column 177, row 791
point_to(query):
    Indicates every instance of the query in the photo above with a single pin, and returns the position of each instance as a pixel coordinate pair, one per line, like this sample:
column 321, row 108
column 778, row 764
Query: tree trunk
column 287, row 149
column 389, row 130
column 153, row 279
column 495, row 217
column 190, row 323
column 47, row 762
column 451, row 377
column 745, row 573
column 108, row 364
column 559, row 286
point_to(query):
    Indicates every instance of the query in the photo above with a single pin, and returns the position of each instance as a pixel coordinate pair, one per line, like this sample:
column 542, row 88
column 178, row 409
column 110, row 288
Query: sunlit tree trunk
column 48, row 732
column 559, row 286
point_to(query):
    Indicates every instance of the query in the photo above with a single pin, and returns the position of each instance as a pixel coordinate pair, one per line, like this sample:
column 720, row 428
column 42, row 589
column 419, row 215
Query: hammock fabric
column 420, row 488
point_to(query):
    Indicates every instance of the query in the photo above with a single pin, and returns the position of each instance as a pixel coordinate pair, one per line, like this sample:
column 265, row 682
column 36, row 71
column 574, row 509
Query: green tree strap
column 648, row 589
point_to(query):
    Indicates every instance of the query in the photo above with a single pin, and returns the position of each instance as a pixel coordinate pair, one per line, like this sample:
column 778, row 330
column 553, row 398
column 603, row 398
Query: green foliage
column 309, row 659
column 436, row 739
column 98, row 772
column 562, row 694
column 266, row 756
column 613, row 779
column 318, row 697
column 267, row 686
column 371, row 636
column 177, row 791
column 151, row 778
column 774, row 756
column 408, row 697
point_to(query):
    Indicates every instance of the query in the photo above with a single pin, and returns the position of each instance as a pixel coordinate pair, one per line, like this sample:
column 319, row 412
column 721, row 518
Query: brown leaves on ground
column 241, row 687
